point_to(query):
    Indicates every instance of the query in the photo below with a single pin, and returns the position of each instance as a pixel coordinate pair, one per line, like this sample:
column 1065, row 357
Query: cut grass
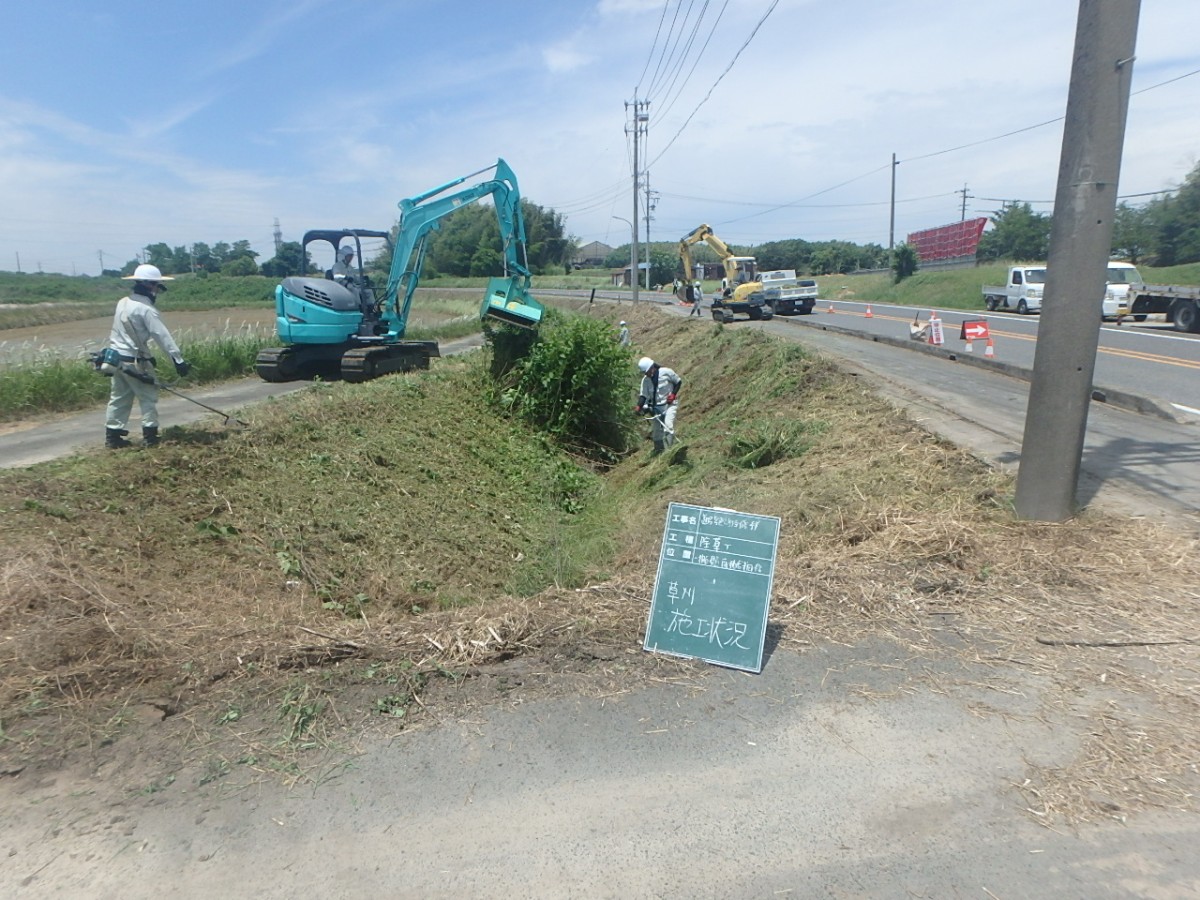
column 365, row 551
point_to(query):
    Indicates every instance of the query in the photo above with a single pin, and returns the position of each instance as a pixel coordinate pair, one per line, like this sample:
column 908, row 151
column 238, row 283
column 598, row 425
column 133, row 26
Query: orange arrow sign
column 974, row 331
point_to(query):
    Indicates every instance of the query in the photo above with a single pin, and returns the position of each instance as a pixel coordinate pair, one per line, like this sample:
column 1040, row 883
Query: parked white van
column 1122, row 276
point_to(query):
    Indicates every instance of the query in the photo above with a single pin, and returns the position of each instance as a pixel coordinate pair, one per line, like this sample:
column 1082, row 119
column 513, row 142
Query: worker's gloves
column 670, row 398
column 182, row 368
column 638, row 409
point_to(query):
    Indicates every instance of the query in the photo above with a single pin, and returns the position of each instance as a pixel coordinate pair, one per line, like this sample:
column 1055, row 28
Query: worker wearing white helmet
column 343, row 265
column 136, row 323
column 623, row 336
column 658, row 398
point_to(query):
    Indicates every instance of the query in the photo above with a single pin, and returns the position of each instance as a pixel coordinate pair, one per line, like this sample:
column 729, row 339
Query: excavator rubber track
column 275, row 364
column 364, row 363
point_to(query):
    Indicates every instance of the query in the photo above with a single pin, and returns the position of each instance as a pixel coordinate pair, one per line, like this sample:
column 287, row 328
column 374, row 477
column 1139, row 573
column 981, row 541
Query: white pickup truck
column 787, row 294
column 1022, row 293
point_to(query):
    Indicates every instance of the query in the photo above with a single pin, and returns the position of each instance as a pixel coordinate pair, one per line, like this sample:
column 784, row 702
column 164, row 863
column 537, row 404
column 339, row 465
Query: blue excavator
column 340, row 326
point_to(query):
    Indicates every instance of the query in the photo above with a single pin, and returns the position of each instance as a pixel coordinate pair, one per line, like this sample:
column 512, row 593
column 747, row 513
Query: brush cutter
column 150, row 379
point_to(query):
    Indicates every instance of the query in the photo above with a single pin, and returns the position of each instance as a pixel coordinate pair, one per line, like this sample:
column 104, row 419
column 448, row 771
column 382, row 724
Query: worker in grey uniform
column 343, row 270
column 623, row 336
column 136, row 323
column 658, row 396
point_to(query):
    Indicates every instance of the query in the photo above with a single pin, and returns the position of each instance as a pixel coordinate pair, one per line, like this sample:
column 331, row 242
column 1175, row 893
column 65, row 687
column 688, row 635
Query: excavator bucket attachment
column 508, row 301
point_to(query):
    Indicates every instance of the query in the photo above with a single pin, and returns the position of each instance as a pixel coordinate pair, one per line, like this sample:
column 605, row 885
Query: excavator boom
column 506, row 298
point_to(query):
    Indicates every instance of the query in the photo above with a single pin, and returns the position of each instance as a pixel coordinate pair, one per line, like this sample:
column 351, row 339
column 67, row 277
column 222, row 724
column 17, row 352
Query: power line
column 721, row 77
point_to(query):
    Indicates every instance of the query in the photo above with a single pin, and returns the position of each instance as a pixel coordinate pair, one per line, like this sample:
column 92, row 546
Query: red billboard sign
column 948, row 241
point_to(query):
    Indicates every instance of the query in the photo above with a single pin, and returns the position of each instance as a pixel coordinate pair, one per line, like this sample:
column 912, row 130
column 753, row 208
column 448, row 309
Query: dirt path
column 837, row 772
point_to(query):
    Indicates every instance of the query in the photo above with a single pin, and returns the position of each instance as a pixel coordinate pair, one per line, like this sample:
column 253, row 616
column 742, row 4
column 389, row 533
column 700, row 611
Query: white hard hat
column 347, row 250
column 146, row 272
column 622, row 321
column 645, row 364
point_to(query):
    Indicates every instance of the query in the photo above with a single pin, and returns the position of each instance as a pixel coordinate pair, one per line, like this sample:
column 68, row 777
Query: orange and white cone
column 868, row 313
column 989, row 351
column 968, row 348
column 830, row 306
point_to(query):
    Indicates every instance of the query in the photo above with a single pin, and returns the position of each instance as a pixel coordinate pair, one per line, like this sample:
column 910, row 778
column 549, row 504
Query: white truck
column 788, row 295
column 1022, row 293
column 1122, row 284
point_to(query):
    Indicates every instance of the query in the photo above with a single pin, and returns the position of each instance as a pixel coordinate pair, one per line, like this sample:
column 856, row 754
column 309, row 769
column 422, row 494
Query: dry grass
column 887, row 532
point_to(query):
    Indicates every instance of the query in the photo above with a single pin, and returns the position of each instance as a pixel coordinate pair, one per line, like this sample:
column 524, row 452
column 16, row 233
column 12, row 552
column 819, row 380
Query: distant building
column 591, row 256
column 620, row 277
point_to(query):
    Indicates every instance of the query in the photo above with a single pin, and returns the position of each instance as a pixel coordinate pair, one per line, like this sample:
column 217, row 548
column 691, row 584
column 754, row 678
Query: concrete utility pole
column 964, row 203
column 640, row 120
column 1080, row 240
column 892, row 223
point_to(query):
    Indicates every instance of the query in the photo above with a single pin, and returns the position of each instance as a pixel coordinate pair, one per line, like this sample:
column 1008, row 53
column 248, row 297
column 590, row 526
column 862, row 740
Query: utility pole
column 18, row 262
column 100, row 253
column 892, row 225
column 651, row 203
column 1080, row 239
column 964, row 203
column 640, row 120
column 278, row 237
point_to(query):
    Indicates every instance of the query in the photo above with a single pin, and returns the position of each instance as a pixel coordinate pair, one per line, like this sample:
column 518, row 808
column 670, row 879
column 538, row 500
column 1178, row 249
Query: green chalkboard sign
column 713, row 587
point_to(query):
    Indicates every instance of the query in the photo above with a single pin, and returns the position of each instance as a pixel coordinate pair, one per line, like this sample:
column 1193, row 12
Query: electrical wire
column 720, row 78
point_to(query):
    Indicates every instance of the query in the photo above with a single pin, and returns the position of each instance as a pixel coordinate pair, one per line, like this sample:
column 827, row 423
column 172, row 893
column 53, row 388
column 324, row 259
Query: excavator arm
column 507, row 298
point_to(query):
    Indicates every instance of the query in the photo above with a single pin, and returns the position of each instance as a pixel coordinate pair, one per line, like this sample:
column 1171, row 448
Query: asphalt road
column 1140, row 462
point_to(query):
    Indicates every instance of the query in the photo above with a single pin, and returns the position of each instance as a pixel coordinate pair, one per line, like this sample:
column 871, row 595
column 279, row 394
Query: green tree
column 288, row 260
column 241, row 265
column 904, row 262
column 1018, row 233
column 161, row 255
column 1133, row 232
column 241, row 249
column 1176, row 222
column 202, row 258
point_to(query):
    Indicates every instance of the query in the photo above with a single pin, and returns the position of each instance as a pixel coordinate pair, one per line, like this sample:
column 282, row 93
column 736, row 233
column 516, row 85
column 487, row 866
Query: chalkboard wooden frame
column 713, row 587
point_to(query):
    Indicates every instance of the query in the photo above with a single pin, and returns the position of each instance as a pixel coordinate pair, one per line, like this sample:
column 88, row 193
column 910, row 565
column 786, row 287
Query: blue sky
column 125, row 123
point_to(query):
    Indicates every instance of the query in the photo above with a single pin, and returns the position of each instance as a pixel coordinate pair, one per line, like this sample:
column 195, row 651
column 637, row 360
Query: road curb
column 1149, row 406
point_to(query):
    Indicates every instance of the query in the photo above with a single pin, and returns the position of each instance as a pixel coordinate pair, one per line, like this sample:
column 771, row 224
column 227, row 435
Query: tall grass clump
column 573, row 385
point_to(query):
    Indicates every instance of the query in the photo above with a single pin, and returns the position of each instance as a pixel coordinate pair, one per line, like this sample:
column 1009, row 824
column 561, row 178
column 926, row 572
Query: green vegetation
column 573, row 385
column 46, row 380
column 366, row 556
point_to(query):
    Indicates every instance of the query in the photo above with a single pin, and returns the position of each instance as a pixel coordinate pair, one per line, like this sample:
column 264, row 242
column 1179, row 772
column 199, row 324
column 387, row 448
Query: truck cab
column 1023, row 292
column 1123, row 283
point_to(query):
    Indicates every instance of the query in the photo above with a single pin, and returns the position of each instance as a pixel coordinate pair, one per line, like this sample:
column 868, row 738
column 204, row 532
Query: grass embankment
column 368, row 553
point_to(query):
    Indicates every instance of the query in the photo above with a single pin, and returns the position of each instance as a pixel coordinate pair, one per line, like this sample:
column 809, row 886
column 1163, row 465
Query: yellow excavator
column 743, row 292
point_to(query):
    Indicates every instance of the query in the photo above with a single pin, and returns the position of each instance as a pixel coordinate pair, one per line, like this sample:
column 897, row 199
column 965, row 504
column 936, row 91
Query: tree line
column 466, row 244
column 1163, row 232
column 806, row 257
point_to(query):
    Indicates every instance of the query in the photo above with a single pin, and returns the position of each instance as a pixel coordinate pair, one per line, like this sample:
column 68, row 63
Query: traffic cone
column 968, row 348
column 868, row 313
column 989, row 351
column 830, row 306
